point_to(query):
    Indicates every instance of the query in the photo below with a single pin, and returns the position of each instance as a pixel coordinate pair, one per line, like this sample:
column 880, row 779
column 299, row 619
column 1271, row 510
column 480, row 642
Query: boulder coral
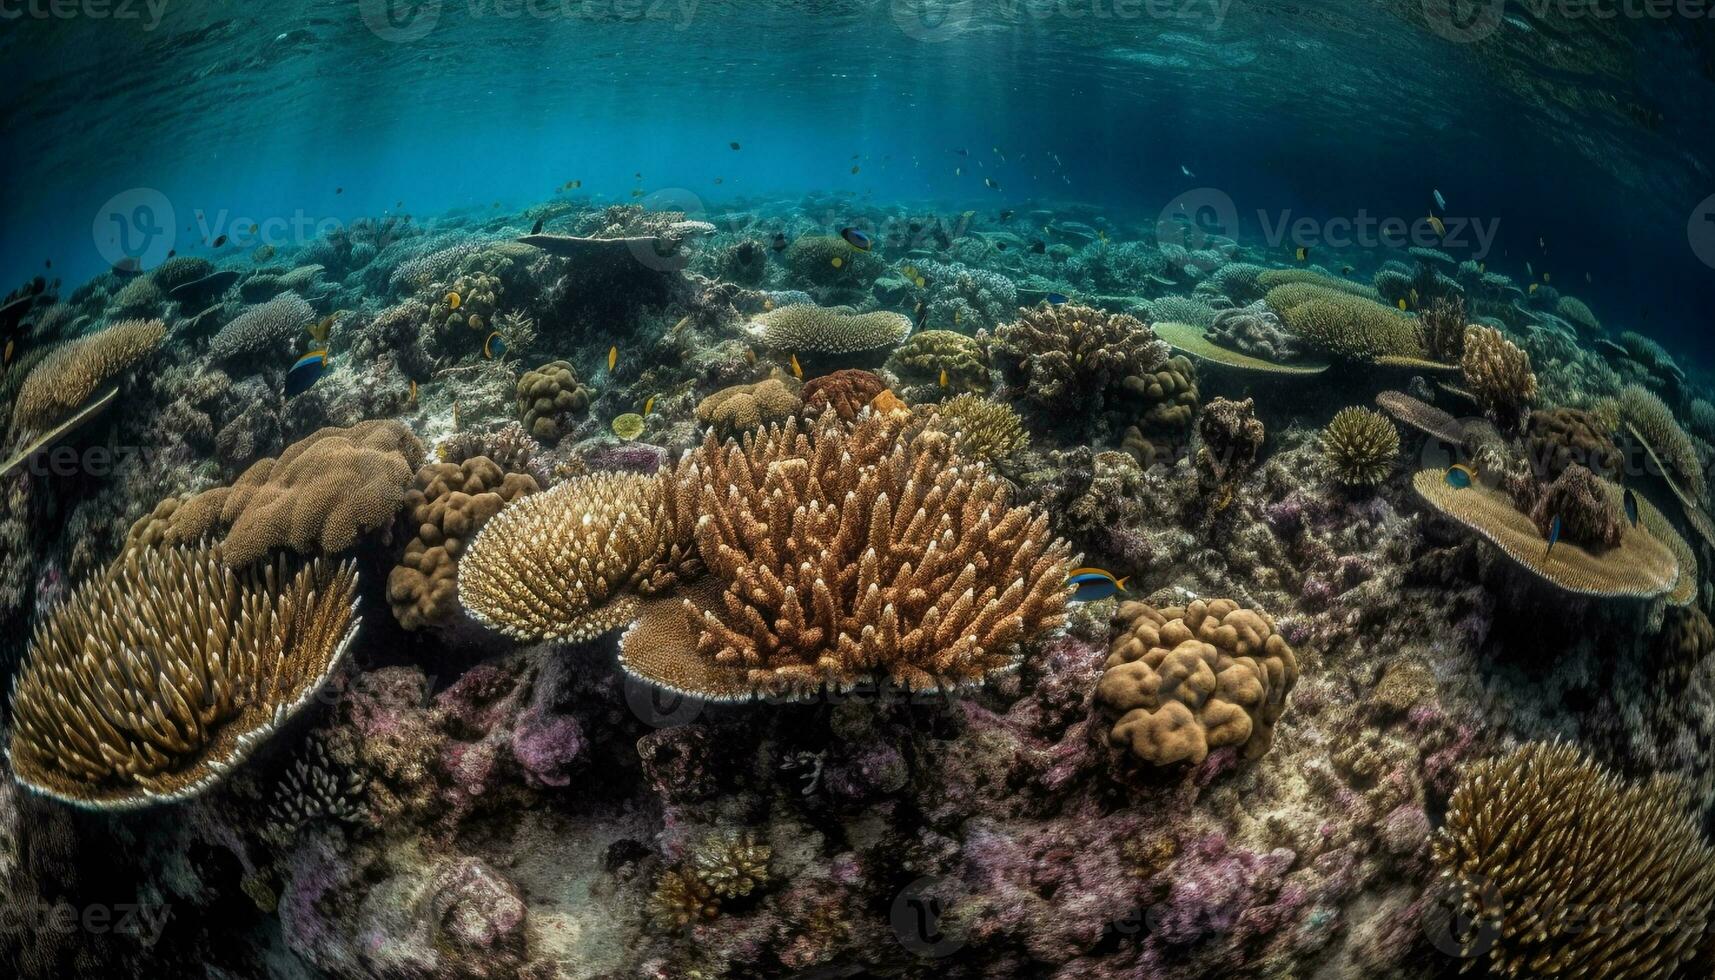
column 1183, row 680
column 744, row 408
column 446, row 506
column 548, row 398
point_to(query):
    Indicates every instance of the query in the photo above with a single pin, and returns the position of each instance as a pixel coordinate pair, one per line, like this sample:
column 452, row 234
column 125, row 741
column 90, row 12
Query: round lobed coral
column 841, row 555
column 828, row 330
column 743, row 408
column 548, row 397
column 1554, row 859
column 563, row 564
column 152, row 681
column 1184, row 680
column 446, row 506
column 1078, row 357
column 1360, row 446
column 1498, row 375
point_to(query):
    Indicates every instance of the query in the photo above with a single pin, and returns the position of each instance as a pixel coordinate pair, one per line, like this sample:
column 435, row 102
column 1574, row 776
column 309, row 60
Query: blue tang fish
column 494, row 346
column 1057, row 299
column 1631, row 501
column 306, row 372
column 1459, row 476
column 856, row 239
column 1553, row 536
column 1090, row 584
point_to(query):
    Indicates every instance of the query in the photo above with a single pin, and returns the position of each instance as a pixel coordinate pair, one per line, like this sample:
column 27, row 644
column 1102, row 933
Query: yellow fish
column 1533, row 288
column 1547, row 278
column 1302, row 254
column 943, row 377
column 648, row 403
column 612, row 357
column 1482, row 267
column 767, row 304
column 1440, row 229
column 413, row 392
column 1402, row 304
column 797, row 370
column 1102, row 233
column 838, row 261
column 453, row 300
column 321, row 330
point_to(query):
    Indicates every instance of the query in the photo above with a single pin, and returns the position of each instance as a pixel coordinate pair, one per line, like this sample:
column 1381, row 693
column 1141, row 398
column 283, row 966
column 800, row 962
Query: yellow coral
column 981, row 429
column 1497, row 373
column 448, row 505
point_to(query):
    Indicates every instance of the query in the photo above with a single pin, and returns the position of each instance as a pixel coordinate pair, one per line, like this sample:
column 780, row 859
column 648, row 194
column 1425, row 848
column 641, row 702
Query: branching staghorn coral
column 63, row 381
column 151, row 682
column 981, row 429
column 1077, row 356
column 314, row 788
column 564, row 564
column 1653, row 421
column 1360, row 446
column 828, row 330
column 1343, row 324
column 1567, row 870
column 842, row 555
column 322, row 494
column 1184, row 680
column 1497, row 373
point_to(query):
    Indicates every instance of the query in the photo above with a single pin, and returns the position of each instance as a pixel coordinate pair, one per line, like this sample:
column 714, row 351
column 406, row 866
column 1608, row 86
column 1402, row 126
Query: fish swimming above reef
column 1440, row 201
column 1091, row 584
column 306, row 372
column 494, row 346
column 857, row 239
column 1631, row 505
column 1553, row 536
column 1459, row 476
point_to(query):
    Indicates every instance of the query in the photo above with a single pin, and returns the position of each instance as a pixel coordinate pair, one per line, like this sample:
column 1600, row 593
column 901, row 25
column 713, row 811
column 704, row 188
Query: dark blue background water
column 1591, row 137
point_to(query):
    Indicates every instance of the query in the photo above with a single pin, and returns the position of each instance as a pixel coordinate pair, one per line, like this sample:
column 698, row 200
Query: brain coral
column 1360, row 446
column 742, row 408
column 322, row 494
column 1343, row 324
column 63, row 381
column 848, row 554
column 446, row 506
column 847, row 392
column 150, row 683
column 1076, row 356
column 1554, row 859
column 262, row 326
column 548, row 397
column 929, row 352
column 1184, row 680
column 829, row 330
column 1497, row 373
column 564, row 564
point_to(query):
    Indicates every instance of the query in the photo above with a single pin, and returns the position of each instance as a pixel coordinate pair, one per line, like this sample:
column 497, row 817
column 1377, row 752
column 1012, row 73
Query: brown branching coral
column 564, row 564
column 1077, row 356
column 1497, row 373
column 742, row 408
column 319, row 497
column 1441, row 330
column 548, row 397
column 732, row 865
column 985, row 430
column 262, row 327
column 445, row 508
column 151, row 682
column 847, row 392
column 1342, row 324
column 1567, row 870
column 1587, row 513
column 1230, row 437
column 1360, row 446
column 840, row 555
column 69, row 377
column 681, row 899
column 1184, row 680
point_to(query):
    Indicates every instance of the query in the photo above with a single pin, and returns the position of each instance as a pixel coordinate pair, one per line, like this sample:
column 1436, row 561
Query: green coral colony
column 1210, row 599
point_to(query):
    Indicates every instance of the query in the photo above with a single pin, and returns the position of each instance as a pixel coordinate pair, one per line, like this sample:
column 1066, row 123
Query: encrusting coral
column 152, row 682
column 447, row 505
column 828, row 330
column 319, row 497
column 837, row 556
column 1360, row 446
column 1564, row 869
column 564, row 564
column 66, row 379
column 1497, row 373
column 743, row 408
column 548, row 397
column 1184, row 680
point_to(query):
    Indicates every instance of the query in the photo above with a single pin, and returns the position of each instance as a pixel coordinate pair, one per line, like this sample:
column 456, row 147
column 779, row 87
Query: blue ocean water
column 1580, row 144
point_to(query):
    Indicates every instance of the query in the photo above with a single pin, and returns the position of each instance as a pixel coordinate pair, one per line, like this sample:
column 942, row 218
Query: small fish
column 717, row 180
column 1006, row 215
column 1186, row 171
column 855, row 168
column 1587, row 278
column 1440, row 229
column 453, row 300
column 413, row 396
column 1553, row 536
column 943, row 377
column 1529, row 271
column 962, row 152
column 1402, row 304
column 11, row 350
column 1533, row 288
column 322, row 329
column 218, row 242
column 306, row 372
column 921, row 313
column 1482, row 268
column 255, row 228
column 991, row 183
column 1414, row 300
column 1038, row 247
column 1000, row 246
column 857, row 239
column 536, row 229
column 339, row 190
column 1547, row 277
column 1440, row 202
column 1091, row 584
column 1346, row 270
column 48, row 263
column 1102, row 234
column 797, row 369
column 837, row 261
column 1057, row 299
column 612, row 357
column 1631, row 504
column 733, row 144
column 1302, row 253
column 779, row 243
column 750, row 354
column 494, row 346
column 173, row 251
column 1459, row 476
column 1542, row 243
column 958, row 171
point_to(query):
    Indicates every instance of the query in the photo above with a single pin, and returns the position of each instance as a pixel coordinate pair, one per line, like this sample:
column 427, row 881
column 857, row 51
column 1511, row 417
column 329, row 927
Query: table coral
column 828, row 330
column 447, row 505
column 1184, row 680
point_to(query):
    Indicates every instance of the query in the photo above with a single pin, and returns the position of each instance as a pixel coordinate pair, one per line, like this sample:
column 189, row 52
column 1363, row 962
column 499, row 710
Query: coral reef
column 1360, row 446
column 548, row 398
column 1072, row 355
column 931, row 354
column 1345, row 325
column 847, row 392
column 262, row 328
column 1253, row 330
column 68, row 377
column 1184, row 680
column 828, row 330
column 447, row 505
column 1229, row 438
column 981, row 429
column 1562, row 437
column 1498, row 375
column 1587, row 512
column 1653, row 422
column 745, row 408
